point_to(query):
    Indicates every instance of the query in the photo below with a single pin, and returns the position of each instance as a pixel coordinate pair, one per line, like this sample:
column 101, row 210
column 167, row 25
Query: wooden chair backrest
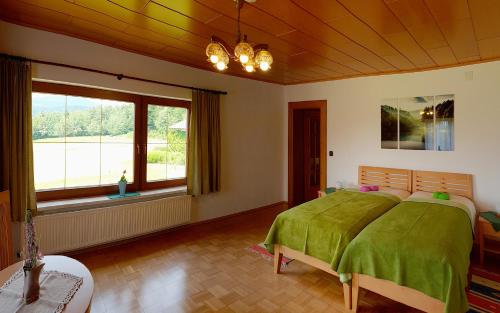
column 5, row 231
column 385, row 177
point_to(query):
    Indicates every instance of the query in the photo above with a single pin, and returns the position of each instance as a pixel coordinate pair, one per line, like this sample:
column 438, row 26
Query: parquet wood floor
column 206, row 268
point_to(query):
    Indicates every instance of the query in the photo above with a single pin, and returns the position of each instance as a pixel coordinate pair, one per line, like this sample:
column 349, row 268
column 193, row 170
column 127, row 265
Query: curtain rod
column 118, row 76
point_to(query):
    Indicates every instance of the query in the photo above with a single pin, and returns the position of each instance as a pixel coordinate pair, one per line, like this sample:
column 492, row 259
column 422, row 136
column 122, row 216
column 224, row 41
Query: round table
column 82, row 299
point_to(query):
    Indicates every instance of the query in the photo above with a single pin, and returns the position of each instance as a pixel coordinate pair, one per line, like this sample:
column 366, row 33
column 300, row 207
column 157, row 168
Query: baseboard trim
column 218, row 221
column 282, row 204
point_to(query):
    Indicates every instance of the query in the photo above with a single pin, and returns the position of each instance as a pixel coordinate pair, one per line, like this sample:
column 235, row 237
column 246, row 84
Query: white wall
column 354, row 124
column 252, row 114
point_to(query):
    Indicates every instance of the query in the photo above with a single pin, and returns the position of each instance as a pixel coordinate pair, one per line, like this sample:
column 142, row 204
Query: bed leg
column 277, row 259
column 347, row 296
column 354, row 292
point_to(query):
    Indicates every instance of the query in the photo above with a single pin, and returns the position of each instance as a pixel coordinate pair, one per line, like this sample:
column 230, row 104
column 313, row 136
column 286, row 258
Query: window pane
column 48, row 161
column 163, row 121
column 96, row 139
column 117, row 121
column 48, row 140
column 115, row 158
column 82, row 164
column 48, row 117
column 157, row 129
column 83, row 119
column 167, row 137
column 176, row 161
column 156, row 162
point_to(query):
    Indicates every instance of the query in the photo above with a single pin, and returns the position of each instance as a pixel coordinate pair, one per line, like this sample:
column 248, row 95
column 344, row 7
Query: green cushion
column 444, row 196
column 441, row 195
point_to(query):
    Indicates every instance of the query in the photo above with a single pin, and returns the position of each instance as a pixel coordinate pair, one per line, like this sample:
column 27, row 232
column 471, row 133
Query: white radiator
column 74, row 230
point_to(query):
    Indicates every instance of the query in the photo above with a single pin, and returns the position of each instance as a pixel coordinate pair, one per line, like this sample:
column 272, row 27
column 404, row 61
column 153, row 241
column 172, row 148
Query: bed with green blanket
column 423, row 244
column 323, row 227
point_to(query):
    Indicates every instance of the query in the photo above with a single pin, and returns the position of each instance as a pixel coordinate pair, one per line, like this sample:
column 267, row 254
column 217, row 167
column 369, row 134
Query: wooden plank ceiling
column 310, row 40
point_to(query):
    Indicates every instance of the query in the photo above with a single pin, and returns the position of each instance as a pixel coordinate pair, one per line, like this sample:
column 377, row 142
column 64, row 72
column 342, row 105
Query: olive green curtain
column 204, row 147
column 16, row 146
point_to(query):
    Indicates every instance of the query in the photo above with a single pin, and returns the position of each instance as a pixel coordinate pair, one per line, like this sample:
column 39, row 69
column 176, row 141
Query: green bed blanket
column 323, row 227
column 421, row 244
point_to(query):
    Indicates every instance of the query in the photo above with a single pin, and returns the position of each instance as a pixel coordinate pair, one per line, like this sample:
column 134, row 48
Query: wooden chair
column 5, row 231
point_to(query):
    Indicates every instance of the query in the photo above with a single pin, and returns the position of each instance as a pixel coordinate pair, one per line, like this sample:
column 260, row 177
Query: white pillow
column 401, row 194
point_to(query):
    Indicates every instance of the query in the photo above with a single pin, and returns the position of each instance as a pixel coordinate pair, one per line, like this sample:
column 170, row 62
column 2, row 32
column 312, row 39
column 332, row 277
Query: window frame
column 147, row 100
column 140, row 140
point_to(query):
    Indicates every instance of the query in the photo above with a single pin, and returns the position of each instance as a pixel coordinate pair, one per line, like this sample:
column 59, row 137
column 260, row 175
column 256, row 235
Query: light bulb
column 244, row 59
column 214, row 58
column 249, row 68
column 264, row 66
column 221, row 66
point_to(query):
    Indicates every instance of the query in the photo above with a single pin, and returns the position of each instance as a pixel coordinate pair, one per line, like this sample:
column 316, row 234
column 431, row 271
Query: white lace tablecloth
column 56, row 290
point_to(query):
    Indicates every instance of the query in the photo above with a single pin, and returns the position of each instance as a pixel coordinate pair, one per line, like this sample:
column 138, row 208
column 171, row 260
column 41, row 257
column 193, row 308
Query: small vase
column 31, row 290
column 122, row 186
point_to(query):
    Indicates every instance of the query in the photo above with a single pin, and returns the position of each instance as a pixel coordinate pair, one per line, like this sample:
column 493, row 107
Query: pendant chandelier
column 250, row 57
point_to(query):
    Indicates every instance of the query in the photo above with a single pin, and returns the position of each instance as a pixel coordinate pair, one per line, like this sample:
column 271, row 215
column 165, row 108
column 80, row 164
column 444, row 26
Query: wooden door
column 311, row 154
column 306, row 150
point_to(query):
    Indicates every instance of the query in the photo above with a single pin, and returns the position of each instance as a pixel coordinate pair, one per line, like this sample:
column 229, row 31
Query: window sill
column 59, row 206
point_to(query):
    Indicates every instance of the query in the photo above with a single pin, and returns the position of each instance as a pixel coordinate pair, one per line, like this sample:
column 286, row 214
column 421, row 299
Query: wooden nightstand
column 486, row 230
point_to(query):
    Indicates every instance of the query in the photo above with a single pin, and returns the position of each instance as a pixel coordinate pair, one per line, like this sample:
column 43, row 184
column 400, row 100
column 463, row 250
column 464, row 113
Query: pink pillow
column 368, row 188
column 364, row 189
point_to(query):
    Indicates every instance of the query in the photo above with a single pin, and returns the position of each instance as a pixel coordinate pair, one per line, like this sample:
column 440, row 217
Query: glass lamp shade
column 215, row 52
column 244, row 52
column 222, row 62
column 264, row 59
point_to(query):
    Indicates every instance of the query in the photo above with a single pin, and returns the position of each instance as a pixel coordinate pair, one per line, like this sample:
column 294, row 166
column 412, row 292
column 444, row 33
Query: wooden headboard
column 453, row 183
column 385, row 177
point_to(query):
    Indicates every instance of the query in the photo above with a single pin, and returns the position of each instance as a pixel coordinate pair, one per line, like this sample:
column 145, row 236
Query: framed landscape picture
column 418, row 123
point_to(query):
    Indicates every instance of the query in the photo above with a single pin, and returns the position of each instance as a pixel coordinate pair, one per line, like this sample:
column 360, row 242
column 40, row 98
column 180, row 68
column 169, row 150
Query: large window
column 83, row 139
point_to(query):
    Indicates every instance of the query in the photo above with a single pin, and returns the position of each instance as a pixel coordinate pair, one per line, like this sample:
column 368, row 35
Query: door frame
column 303, row 105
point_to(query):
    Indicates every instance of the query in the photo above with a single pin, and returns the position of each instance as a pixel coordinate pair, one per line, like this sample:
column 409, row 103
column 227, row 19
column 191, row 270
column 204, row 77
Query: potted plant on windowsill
column 32, row 264
column 122, row 184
